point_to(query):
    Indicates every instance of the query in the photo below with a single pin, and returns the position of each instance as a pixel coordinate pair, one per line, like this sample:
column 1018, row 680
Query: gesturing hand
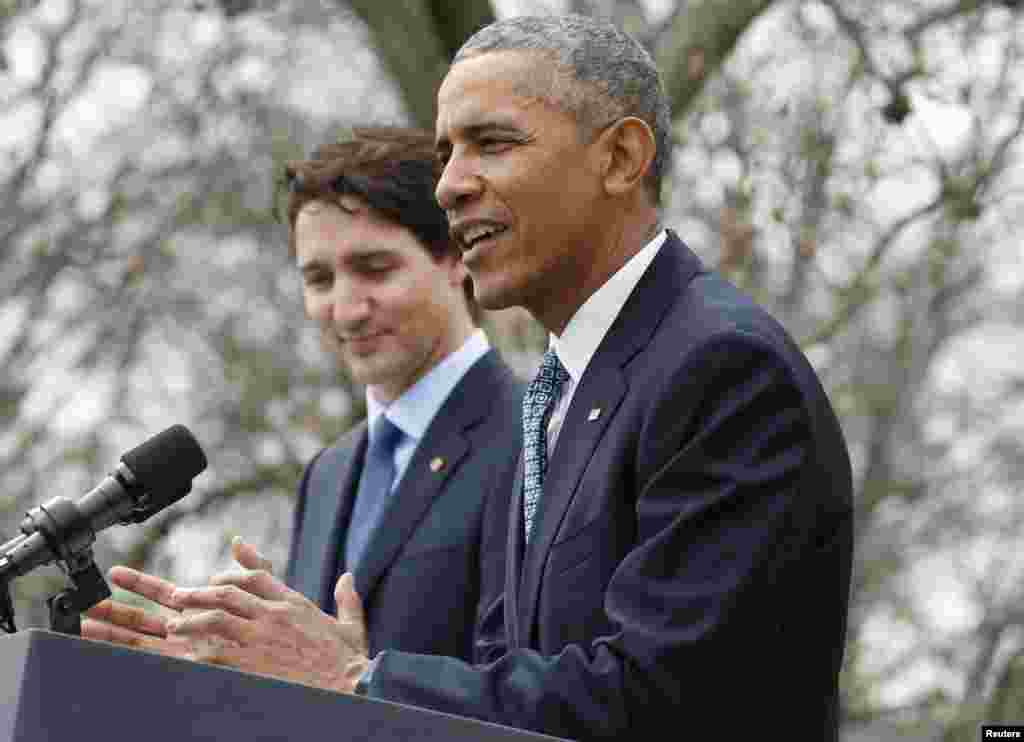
column 131, row 626
column 265, row 627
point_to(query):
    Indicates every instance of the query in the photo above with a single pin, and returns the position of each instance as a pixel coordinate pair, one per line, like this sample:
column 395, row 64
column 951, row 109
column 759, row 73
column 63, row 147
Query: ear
column 629, row 150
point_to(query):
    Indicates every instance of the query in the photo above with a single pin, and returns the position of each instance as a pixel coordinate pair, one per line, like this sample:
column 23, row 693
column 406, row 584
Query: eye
column 376, row 268
column 317, row 280
column 495, row 144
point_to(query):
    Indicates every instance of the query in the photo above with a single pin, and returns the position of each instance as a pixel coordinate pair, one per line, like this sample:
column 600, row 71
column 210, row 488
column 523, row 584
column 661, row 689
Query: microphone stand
column 6, row 610
column 86, row 590
column 69, row 535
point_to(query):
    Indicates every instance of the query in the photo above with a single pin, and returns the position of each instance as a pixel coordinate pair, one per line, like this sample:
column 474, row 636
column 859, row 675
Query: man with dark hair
column 413, row 502
column 393, row 169
column 680, row 544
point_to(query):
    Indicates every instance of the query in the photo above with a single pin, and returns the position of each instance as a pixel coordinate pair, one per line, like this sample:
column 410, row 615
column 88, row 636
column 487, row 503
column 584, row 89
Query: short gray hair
column 610, row 75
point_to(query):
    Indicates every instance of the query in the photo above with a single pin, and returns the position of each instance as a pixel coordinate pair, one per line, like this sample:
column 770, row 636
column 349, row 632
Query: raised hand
column 132, row 626
column 252, row 621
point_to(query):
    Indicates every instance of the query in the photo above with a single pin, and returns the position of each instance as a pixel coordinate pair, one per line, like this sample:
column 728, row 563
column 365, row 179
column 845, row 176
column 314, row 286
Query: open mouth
column 475, row 237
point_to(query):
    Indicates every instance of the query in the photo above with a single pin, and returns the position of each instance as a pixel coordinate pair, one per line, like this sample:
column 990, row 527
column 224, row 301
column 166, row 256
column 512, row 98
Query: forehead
column 323, row 228
column 494, row 87
column 331, row 220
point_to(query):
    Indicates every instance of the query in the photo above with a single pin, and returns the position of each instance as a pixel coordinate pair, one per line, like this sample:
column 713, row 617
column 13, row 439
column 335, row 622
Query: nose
column 458, row 183
column 350, row 308
column 345, row 306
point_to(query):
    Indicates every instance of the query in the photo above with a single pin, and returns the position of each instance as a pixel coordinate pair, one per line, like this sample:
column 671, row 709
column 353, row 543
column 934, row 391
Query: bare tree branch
column 416, row 39
column 859, row 290
column 701, row 37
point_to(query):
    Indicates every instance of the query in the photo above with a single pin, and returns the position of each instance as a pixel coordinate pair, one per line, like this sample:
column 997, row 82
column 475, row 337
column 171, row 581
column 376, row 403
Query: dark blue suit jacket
column 437, row 559
column 690, row 564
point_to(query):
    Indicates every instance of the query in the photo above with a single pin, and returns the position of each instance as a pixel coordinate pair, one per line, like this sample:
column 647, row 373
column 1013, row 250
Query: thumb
column 247, row 556
column 350, row 606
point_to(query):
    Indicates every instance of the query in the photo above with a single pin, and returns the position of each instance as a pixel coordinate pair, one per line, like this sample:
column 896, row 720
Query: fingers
column 207, row 625
column 350, row 607
column 94, row 629
column 228, row 598
column 237, row 605
column 247, row 556
column 258, row 583
column 99, row 630
column 350, row 611
column 155, row 589
column 256, row 577
column 215, row 651
column 128, row 617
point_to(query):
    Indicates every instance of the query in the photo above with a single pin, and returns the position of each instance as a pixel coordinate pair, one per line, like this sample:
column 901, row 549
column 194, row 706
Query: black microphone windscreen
column 168, row 461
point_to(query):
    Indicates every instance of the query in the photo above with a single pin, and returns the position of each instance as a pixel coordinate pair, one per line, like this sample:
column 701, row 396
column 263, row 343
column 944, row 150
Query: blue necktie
column 374, row 488
column 538, row 402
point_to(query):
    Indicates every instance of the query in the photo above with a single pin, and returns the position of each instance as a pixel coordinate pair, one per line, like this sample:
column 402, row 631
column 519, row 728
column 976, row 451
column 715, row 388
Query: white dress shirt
column 583, row 335
column 577, row 345
column 415, row 409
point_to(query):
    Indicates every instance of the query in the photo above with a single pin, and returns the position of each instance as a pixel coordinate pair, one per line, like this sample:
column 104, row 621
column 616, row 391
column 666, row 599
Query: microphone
column 150, row 477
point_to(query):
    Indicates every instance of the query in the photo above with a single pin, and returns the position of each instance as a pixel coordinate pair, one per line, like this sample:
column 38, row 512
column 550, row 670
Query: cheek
column 317, row 308
column 419, row 313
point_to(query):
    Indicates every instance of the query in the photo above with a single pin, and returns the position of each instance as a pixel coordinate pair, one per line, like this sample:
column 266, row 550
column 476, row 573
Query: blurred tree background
column 855, row 164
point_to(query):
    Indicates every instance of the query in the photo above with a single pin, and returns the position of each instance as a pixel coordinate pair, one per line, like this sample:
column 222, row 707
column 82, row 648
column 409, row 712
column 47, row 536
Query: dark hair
column 393, row 169
column 600, row 74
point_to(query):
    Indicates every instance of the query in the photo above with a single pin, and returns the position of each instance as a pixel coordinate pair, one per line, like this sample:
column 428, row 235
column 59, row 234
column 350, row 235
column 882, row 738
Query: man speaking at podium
column 414, row 501
column 679, row 551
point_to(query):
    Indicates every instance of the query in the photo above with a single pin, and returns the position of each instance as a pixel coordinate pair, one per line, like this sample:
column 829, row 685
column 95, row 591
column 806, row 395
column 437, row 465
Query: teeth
column 475, row 233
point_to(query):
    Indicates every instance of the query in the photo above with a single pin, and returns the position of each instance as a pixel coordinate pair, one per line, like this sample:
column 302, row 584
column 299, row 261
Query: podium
column 59, row 687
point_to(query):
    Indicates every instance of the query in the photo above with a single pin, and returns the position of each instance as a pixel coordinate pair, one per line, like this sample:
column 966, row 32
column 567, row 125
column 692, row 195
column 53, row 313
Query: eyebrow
column 370, row 253
column 474, row 131
column 312, row 265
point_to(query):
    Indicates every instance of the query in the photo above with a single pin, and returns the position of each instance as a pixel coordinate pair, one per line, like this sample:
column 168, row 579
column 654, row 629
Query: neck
column 457, row 334
column 621, row 243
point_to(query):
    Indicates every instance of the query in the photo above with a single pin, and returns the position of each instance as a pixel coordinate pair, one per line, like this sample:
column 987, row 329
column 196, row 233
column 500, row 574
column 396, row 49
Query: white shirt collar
column 591, row 322
column 414, row 410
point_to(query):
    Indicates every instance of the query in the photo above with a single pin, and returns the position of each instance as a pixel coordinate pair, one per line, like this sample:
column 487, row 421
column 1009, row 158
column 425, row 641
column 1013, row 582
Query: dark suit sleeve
column 703, row 606
column 490, row 641
column 489, row 638
column 297, row 516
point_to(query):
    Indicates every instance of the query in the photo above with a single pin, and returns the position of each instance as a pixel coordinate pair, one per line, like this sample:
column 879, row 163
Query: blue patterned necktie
column 374, row 488
column 539, row 400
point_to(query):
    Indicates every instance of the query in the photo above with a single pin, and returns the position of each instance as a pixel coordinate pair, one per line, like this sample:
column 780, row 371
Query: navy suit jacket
column 690, row 563
column 437, row 559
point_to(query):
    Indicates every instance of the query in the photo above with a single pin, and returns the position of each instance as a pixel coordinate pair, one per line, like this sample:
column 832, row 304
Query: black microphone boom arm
column 149, row 478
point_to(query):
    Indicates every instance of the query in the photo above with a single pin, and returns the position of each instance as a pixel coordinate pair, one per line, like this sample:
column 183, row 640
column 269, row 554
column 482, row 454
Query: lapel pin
column 436, row 464
column 594, row 414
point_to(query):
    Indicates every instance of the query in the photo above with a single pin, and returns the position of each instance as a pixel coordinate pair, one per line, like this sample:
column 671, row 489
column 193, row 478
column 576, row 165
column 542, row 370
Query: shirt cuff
column 363, row 684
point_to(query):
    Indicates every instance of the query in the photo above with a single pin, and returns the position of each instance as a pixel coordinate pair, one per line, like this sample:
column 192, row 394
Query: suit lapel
column 419, row 487
column 433, row 464
column 594, row 404
column 600, row 388
column 328, row 504
column 514, row 557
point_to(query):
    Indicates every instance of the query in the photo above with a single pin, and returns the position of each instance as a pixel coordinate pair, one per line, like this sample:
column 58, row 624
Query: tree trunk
column 416, row 40
column 700, row 38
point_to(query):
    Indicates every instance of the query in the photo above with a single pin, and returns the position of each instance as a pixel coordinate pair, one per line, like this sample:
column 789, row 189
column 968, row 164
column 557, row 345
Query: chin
column 494, row 296
column 367, row 373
